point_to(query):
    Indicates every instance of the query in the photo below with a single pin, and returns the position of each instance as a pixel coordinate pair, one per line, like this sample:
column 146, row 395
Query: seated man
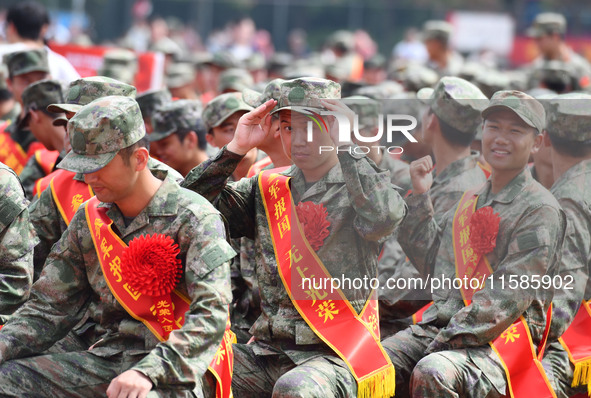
column 17, row 240
column 124, row 252
column 345, row 207
column 511, row 228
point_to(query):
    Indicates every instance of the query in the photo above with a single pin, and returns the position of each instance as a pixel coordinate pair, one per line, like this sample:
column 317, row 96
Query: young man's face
column 19, row 83
column 41, row 126
column 307, row 155
column 547, row 44
column 115, row 181
column 223, row 134
column 508, row 142
column 172, row 151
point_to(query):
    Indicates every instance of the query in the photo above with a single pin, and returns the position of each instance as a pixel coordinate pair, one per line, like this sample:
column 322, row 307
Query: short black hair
column 575, row 149
column 452, row 135
column 199, row 130
column 126, row 153
column 28, row 17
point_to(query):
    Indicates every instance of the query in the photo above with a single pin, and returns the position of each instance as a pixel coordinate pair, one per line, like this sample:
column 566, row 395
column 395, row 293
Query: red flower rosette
column 484, row 228
column 314, row 220
column 149, row 265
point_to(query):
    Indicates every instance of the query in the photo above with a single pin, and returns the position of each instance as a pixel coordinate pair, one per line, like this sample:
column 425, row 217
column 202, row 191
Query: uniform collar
column 298, row 182
column 509, row 191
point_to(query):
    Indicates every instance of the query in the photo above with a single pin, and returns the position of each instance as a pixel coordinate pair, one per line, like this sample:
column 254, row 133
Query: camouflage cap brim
column 252, row 97
column 60, row 121
column 534, row 32
column 85, row 164
column 523, row 117
column 59, row 108
column 159, row 135
column 306, row 110
column 241, row 107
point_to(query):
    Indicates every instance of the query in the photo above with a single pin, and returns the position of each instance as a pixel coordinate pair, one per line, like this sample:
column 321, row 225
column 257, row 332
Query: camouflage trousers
column 560, row 371
column 472, row 372
column 275, row 374
column 74, row 374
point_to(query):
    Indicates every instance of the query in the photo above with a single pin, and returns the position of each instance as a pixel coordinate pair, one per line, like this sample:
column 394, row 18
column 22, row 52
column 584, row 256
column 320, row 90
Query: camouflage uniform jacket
column 362, row 206
column 529, row 242
column 399, row 172
column 17, row 240
column 72, row 279
column 573, row 192
column 50, row 225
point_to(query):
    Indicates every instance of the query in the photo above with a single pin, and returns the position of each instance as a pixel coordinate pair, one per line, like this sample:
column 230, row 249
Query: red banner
column 88, row 60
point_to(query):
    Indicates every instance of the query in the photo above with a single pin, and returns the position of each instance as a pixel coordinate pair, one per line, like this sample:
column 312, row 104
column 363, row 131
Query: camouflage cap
column 222, row 107
column 83, row 91
column 384, row 90
column 255, row 62
column 38, row 95
column 151, row 100
column 415, row 77
column 3, row 75
column 547, row 23
column 457, row 102
column 306, row 92
column 225, row 60
column 200, row 59
column 21, row 62
column 342, row 39
column 377, row 61
column 366, row 109
column 167, row 46
column 440, row 30
column 234, row 79
column 180, row 115
column 179, row 75
column 272, row 91
column 526, row 107
column 99, row 130
column 569, row 117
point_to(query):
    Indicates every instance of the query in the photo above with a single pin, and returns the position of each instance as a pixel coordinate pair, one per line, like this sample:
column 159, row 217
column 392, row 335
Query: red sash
column 486, row 169
column 46, row 159
column 577, row 343
column 256, row 168
column 68, row 193
column 160, row 316
column 514, row 347
column 353, row 337
column 42, row 184
column 11, row 153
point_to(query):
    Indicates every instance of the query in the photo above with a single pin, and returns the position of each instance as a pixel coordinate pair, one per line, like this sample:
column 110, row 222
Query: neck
column 6, row 106
column 500, row 179
column 198, row 158
column 313, row 175
column 561, row 164
column 144, row 190
column 277, row 155
column 446, row 154
column 545, row 173
column 244, row 165
column 441, row 59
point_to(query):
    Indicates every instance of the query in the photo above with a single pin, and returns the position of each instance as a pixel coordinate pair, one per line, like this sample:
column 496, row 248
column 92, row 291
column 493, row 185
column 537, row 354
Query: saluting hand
column 420, row 175
column 129, row 384
column 249, row 133
column 339, row 107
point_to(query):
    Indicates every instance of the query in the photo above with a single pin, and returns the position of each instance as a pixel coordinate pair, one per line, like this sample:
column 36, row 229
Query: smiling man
column 510, row 228
column 87, row 269
column 355, row 206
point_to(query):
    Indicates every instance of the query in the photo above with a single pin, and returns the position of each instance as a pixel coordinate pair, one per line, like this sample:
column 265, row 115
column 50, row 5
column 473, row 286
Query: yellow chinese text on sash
column 577, row 343
column 161, row 317
column 353, row 337
column 525, row 375
column 68, row 193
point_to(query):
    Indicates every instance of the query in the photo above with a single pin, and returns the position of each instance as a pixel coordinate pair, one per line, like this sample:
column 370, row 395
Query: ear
column 191, row 140
column 537, row 143
column 209, row 139
column 34, row 116
column 43, row 31
column 141, row 156
column 546, row 139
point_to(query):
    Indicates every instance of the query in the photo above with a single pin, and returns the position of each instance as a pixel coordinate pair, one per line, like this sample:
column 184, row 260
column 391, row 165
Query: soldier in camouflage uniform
column 123, row 356
column 234, row 80
column 36, row 118
column 447, row 354
column 17, row 240
column 149, row 101
column 221, row 117
column 442, row 58
column 24, row 68
column 287, row 359
column 119, row 64
column 180, row 80
column 568, row 131
column 178, row 137
column 549, row 30
column 448, row 126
